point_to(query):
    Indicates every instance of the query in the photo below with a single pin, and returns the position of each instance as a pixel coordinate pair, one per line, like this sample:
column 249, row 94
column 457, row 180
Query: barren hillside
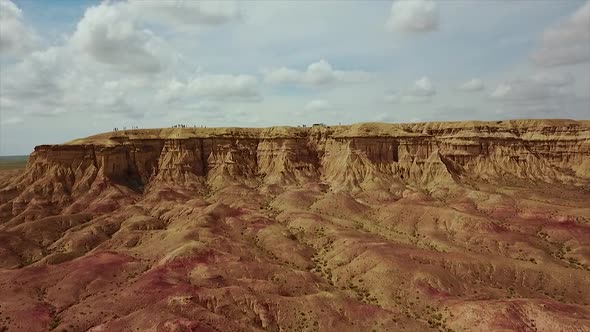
column 447, row 226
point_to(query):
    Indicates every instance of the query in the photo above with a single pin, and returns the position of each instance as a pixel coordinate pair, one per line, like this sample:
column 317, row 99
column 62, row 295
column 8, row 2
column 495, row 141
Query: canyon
column 441, row 226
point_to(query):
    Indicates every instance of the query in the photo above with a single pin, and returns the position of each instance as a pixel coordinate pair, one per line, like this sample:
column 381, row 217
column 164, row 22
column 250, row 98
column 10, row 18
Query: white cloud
column 423, row 88
column 317, row 73
column 215, row 87
column 472, row 85
column 523, row 91
column 187, row 12
column 317, row 105
column 35, row 78
column 420, row 92
column 553, row 79
column 224, row 86
column 537, row 89
column 15, row 37
column 320, row 72
column 117, row 33
column 109, row 33
column 566, row 43
column 111, row 67
column 413, row 16
column 135, row 63
column 282, row 75
column 59, row 80
column 171, row 91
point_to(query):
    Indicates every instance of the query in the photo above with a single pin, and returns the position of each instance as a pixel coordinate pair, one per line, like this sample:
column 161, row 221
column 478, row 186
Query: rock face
column 350, row 158
column 448, row 226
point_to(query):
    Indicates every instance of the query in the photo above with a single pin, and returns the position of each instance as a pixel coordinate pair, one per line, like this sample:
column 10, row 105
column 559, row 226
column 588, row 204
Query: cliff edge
column 345, row 158
column 446, row 226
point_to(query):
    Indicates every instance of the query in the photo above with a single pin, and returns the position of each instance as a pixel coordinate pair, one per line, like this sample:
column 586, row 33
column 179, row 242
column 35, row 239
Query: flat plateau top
column 370, row 129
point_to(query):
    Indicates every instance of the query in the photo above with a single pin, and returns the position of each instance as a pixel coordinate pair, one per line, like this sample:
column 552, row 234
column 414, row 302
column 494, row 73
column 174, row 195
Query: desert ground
column 13, row 162
column 451, row 226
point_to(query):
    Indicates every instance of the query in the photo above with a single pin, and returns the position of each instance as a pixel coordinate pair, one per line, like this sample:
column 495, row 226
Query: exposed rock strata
column 429, row 226
column 346, row 157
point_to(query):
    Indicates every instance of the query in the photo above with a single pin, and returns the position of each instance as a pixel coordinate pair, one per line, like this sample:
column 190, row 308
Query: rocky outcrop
column 347, row 158
column 287, row 161
column 430, row 226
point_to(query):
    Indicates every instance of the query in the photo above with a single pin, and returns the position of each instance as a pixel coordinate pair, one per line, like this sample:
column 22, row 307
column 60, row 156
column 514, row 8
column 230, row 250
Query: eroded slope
column 441, row 226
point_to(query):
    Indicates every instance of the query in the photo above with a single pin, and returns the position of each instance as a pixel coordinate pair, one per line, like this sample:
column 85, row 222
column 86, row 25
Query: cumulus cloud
column 224, row 86
column 566, row 43
column 536, row 89
column 413, row 16
column 317, row 105
column 420, row 92
column 317, row 73
column 172, row 91
column 126, row 59
column 215, row 87
column 112, row 66
column 524, row 91
column 472, row 85
column 187, row 12
column 117, row 33
column 58, row 80
column 37, row 77
column 423, row 88
column 109, row 33
column 16, row 38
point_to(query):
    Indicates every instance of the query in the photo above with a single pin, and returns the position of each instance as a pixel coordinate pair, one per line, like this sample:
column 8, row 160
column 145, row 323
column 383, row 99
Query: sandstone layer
column 425, row 226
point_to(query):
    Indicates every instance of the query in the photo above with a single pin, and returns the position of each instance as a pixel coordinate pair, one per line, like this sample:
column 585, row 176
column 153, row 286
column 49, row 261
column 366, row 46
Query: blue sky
column 75, row 68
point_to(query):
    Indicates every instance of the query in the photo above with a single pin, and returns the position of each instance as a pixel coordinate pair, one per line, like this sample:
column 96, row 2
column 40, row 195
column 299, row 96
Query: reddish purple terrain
column 371, row 227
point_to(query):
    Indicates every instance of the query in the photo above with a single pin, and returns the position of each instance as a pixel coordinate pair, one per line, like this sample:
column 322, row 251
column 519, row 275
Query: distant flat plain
column 11, row 162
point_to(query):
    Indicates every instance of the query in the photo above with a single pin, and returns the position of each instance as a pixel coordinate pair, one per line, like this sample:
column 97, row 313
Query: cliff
column 450, row 226
column 109, row 166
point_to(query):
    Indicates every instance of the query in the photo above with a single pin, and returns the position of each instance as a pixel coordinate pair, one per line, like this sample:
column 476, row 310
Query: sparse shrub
column 54, row 323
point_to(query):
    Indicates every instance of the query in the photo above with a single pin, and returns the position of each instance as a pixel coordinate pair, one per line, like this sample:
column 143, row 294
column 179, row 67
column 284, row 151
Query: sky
column 71, row 69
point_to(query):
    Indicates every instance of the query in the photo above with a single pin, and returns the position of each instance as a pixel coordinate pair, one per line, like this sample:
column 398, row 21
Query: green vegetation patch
column 7, row 162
